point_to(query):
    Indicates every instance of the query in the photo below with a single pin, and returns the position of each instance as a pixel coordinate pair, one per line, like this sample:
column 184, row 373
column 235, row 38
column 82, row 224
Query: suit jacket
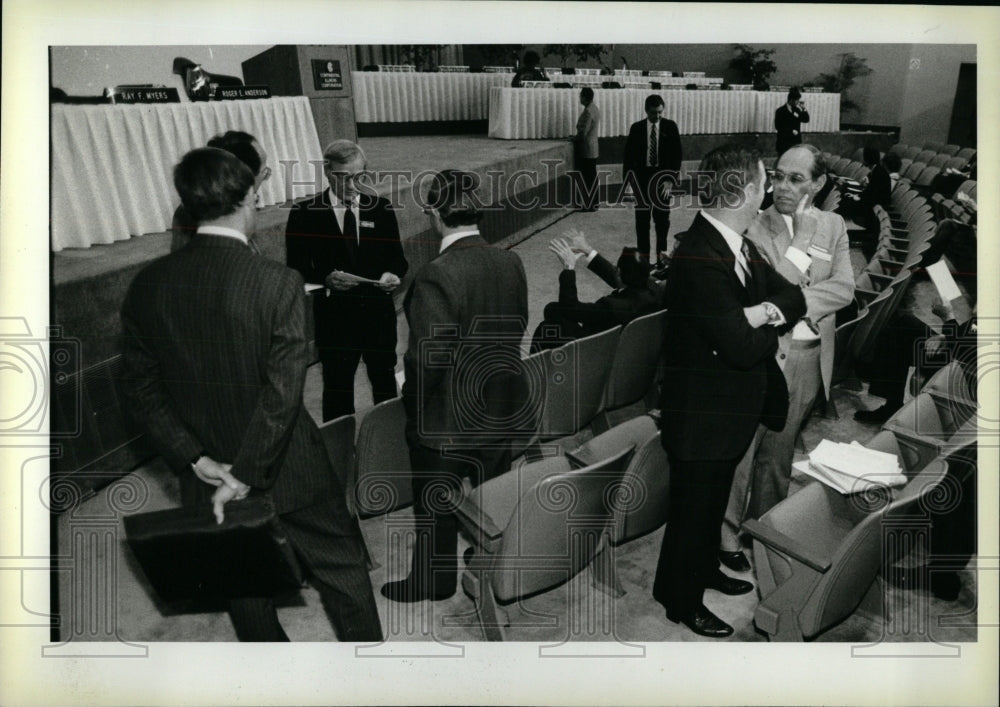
column 828, row 285
column 789, row 126
column 720, row 374
column 316, row 246
column 637, row 146
column 467, row 310
column 620, row 307
column 879, row 189
column 587, row 129
column 215, row 356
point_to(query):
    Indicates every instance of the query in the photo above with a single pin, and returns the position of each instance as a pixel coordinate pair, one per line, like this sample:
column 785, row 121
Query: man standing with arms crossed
column 724, row 306
column 810, row 248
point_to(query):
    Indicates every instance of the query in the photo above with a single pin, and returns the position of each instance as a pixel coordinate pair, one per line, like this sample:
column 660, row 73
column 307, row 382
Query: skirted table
column 388, row 97
column 112, row 166
column 538, row 113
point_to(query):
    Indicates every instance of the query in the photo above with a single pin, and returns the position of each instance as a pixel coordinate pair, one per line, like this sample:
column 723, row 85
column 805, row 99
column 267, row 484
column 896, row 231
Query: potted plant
column 582, row 52
column 754, row 66
column 851, row 67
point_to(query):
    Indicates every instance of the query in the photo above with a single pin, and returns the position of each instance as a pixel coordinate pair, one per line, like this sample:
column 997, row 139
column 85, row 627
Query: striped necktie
column 745, row 264
column 652, row 145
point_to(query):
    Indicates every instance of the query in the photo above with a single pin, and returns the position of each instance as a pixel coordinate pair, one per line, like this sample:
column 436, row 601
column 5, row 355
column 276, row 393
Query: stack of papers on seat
column 852, row 468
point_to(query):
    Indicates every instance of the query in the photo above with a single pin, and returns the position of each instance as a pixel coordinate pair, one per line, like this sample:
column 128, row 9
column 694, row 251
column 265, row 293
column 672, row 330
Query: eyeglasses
column 362, row 177
column 265, row 173
column 794, row 179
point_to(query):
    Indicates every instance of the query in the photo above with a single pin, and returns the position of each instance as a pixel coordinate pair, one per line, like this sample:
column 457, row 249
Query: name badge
column 367, row 224
column 820, row 252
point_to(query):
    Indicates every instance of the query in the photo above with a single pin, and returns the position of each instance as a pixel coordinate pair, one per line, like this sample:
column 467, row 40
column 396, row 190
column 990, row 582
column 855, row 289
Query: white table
column 381, row 97
column 538, row 113
column 112, row 166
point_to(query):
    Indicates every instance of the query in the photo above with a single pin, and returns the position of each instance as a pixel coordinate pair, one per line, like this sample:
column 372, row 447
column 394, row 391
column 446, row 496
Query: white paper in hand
column 943, row 281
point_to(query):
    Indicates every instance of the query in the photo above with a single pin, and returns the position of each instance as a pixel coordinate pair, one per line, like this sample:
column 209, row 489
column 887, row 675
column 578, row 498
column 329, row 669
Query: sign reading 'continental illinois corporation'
column 327, row 75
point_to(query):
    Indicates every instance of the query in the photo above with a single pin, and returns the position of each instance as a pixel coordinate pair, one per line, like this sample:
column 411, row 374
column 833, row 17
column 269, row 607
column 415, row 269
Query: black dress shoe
column 407, row 591
column 728, row 585
column 736, row 561
column 703, row 622
column 876, row 416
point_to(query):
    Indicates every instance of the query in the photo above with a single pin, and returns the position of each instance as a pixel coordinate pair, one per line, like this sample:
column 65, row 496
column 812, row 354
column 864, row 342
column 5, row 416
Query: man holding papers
column 809, row 247
column 347, row 239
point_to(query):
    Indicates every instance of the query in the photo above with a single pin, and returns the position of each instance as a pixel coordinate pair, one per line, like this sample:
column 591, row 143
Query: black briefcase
column 185, row 554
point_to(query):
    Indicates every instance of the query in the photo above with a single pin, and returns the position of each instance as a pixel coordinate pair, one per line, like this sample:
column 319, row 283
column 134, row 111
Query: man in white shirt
column 809, row 247
column 586, row 142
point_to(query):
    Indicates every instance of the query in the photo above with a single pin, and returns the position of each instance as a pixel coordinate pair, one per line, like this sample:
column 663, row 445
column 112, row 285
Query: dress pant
column 586, row 194
column 648, row 206
column 762, row 477
column 331, row 550
column 688, row 556
column 359, row 328
column 437, row 480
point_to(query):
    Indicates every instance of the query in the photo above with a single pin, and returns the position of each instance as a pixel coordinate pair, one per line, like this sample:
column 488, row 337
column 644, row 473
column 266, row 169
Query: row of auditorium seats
column 819, row 554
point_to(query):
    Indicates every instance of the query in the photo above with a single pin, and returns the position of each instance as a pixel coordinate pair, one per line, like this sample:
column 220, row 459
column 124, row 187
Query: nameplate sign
column 241, row 93
column 142, row 95
column 327, row 75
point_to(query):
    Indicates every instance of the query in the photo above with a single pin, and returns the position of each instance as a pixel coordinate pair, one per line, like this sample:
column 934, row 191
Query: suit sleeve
column 785, row 295
column 301, row 244
column 804, row 116
column 149, row 401
column 280, row 400
column 389, row 229
column 601, row 267
column 429, row 305
column 718, row 315
column 631, row 147
column 837, row 291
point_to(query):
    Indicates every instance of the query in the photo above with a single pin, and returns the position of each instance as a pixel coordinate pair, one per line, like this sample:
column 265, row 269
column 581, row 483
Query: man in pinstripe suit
column 215, row 355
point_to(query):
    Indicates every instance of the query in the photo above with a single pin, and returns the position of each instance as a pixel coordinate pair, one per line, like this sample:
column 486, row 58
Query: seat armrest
column 576, row 461
column 478, row 522
column 782, row 543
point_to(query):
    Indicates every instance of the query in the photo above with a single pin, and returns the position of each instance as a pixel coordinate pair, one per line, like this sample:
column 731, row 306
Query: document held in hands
column 852, row 468
column 943, row 281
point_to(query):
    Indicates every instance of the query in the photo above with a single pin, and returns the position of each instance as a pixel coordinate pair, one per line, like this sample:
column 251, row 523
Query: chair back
column 939, row 160
column 576, row 375
column 636, row 360
column 843, row 361
column 933, row 146
column 642, row 502
column 384, row 476
column 925, row 156
column 950, row 149
column 966, row 153
column 911, row 152
column 951, row 380
column 556, row 528
column 927, row 176
column 914, row 170
column 338, row 438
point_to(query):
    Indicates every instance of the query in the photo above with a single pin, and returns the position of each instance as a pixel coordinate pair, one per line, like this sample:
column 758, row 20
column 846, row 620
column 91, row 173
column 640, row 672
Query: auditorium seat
column 843, row 360
column 910, row 153
column 967, row 153
column 533, row 529
column 383, row 480
column 858, row 154
column 925, row 156
column 913, row 171
column 636, row 361
column 338, row 437
column 957, row 162
column 840, row 165
column 640, row 505
column 927, row 176
column 575, row 378
column 934, row 414
column 951, row 149
column 882, row 307
column 904, row 164
column 899, row 149
column 939, row 161
column 818, row 554
column 933, row 146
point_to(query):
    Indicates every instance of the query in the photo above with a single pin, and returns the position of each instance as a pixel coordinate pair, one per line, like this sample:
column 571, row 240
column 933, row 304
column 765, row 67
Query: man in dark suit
column 877, row 191
column 467, row 310
column 568, row 319
column 586, row 143
column 725, row 305
column 651, row 166
column 788, row 121
column 215, row 357
column 343, row 234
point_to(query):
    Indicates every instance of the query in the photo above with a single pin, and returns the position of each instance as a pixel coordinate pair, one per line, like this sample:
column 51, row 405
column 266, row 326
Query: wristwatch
column 773, row 313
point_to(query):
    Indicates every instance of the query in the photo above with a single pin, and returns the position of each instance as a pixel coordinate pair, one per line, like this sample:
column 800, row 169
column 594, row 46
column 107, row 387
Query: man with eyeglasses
column 346, row 239
column 809, row 247
column 250, row 152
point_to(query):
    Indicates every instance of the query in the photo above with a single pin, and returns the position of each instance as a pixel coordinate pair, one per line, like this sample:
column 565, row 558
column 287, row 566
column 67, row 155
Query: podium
column 320, row 72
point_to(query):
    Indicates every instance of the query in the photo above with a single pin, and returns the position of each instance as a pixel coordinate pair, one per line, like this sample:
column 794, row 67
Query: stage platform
column 525, row 188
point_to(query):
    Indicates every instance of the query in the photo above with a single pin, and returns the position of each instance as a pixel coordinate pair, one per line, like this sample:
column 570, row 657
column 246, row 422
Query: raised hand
column 577, row 241
column 564, row 252
column 388, row 282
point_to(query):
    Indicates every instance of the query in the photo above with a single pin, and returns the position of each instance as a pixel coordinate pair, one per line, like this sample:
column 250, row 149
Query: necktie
column 652, row 145
column 351, row 225
column 745, row 265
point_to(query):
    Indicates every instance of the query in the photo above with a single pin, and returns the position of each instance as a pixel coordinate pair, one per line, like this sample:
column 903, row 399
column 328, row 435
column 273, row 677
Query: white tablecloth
column 381, row 97
column 533, row 113
column 112, row 166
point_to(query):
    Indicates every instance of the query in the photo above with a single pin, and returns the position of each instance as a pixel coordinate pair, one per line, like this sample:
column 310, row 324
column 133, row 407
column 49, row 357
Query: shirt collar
column 337, row 203
column 223, row 231
column 733, row 239
column 457, row 235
